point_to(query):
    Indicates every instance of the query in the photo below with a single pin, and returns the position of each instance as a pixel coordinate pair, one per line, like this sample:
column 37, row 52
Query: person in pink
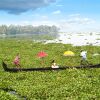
column 17, row 61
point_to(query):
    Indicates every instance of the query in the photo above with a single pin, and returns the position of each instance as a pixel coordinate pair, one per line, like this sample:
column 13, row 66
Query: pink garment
column 16, row 60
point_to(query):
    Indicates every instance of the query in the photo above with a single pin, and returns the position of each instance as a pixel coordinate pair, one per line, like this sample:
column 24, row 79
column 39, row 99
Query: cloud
column 78, row 19
column 59, row 5
column 76, row 22
column 24, row 23
column 37, row 22
column 75, row 15
column 46, row 22
column 20, row 6
column 57, row 12
column 44, row 17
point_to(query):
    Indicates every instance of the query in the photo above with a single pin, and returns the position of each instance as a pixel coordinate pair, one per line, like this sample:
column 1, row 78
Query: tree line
column 28, row 29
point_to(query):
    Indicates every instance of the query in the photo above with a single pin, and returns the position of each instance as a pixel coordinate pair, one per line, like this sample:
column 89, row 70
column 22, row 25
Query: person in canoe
column 54, row 65
column 83, row 54
column 17, row 61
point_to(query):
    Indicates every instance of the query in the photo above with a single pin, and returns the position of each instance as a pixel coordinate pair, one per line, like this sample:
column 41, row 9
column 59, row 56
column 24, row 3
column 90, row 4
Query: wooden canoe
column 6, row 68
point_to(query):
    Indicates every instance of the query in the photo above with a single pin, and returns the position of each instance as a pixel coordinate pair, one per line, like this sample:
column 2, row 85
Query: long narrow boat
column 6, row 68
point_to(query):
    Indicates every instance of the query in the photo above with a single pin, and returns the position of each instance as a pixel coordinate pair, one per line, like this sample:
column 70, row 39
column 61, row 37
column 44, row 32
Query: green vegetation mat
column 69, row 84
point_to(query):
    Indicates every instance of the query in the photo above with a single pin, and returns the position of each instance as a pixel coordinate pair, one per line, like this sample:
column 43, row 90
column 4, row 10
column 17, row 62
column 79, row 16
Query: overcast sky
column 69, row 15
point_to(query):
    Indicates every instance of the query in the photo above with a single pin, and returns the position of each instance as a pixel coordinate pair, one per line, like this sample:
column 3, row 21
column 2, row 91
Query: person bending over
column 53, row 64
column 17, row 61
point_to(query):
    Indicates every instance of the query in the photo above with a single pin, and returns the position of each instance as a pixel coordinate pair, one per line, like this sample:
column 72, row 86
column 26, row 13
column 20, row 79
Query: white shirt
column 54, row 65
column 83, row 54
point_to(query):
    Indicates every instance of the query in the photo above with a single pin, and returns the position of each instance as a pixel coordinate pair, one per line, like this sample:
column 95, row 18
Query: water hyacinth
column 57, row 85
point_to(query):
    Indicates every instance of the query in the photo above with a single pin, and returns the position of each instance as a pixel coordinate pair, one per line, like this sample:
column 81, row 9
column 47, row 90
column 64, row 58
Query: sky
column 68, row 15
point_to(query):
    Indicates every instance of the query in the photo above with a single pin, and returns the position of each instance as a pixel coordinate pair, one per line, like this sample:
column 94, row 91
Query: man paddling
column 83, row 54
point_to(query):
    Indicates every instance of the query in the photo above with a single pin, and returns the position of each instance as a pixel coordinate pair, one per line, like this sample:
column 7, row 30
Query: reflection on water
column 13, row 92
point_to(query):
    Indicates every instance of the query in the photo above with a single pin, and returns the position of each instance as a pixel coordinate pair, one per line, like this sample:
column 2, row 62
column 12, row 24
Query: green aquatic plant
column 69, row 84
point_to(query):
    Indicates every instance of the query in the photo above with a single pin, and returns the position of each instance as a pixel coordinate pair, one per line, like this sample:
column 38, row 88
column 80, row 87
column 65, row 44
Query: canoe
column 6, row 68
